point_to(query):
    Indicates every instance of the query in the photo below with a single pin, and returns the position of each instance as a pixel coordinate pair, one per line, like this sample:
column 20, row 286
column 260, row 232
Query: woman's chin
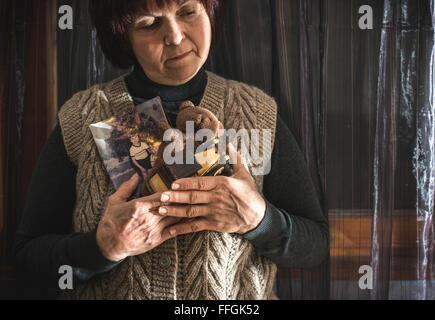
column 178, row 76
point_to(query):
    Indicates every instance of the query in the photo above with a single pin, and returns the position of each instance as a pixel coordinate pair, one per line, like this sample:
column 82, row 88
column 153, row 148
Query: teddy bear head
column 201, row 117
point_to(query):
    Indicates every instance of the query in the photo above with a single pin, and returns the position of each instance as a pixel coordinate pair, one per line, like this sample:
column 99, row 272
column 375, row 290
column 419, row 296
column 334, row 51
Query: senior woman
column 213, row 237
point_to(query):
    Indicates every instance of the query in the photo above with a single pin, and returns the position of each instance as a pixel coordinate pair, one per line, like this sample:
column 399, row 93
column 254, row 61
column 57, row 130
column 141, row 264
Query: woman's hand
column 129, row 228
column 222, row 204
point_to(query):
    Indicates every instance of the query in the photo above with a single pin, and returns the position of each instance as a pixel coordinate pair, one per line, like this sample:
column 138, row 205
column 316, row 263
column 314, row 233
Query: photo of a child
column 140, row 154
column 128, row 142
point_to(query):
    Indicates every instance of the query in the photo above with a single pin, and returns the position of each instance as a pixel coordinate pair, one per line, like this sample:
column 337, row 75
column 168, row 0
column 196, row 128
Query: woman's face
column 173, row 43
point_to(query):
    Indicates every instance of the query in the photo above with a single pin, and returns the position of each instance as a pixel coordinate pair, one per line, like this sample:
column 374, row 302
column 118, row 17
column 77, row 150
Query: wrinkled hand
column 222, row 204
column 129, row 228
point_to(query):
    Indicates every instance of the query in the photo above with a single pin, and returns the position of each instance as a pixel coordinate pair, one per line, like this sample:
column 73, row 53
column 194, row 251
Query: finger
column 168, row 221
column 187, row 197
column 197, row 183
column 186, row 211
column 188, row 226
column 140, row 209
column 126, row 189
column 165, row 226
column 236, row 159
column 158, row 225
column 148, row 204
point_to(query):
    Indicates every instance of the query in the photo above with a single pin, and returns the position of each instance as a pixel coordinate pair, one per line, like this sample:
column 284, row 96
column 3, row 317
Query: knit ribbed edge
column 266, row 119
column 70, row 120
column 118, row 95
column 267, row 115
column 215, row 95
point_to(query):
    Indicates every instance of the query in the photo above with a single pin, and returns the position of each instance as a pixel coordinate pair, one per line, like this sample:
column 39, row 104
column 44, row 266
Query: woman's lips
column 180, row 57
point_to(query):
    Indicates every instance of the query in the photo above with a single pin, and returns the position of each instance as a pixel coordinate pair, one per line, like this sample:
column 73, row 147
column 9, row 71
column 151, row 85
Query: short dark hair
column 111, row 19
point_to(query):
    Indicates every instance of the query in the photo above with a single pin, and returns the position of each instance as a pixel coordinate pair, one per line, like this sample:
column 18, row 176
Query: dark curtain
column 23, row 115
column 359, row 102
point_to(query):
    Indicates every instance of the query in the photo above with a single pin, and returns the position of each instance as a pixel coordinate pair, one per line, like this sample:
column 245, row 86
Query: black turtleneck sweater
column 141, row 88
column 293, row 233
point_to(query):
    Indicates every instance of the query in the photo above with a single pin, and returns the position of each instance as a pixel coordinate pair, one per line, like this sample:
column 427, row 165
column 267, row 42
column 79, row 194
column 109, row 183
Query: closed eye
column 152, row 25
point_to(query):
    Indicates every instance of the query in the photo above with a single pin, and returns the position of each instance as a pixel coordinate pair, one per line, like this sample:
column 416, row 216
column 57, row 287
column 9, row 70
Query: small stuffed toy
column 202, row 119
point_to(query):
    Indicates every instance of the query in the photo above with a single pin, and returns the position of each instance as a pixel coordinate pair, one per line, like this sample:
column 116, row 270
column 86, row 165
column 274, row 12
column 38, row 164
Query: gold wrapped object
column 207, row 163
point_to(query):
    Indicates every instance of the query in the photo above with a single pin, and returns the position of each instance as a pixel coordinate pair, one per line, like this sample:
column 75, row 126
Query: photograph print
column 128, row 142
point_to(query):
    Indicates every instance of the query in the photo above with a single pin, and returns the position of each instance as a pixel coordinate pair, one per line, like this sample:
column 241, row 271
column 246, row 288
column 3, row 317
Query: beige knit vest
column 204, row 265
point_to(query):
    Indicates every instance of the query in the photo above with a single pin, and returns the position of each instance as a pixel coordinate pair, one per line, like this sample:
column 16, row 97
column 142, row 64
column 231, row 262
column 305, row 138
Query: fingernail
column 175, row 186
column 172, row 232
column 163, row 210
column 165, row 197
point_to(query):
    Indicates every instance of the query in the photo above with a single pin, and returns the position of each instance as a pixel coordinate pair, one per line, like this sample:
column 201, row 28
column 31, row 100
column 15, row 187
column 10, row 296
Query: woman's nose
column 174, row 33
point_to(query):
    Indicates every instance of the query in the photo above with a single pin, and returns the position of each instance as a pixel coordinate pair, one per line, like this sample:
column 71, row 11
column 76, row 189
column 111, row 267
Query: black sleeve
column 44, row 240
column 294, row 232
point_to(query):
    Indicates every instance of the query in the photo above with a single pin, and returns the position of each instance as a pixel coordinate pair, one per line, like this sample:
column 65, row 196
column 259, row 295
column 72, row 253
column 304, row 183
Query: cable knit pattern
column 204, row 265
